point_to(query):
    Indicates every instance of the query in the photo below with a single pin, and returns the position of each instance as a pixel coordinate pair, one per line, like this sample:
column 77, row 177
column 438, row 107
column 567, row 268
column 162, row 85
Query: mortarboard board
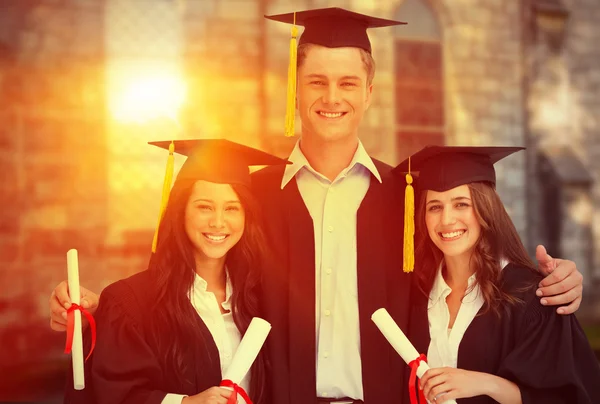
column 218, row 160
column 441, row 168
column 335, row 27
column 331, row 27
column 213, row 160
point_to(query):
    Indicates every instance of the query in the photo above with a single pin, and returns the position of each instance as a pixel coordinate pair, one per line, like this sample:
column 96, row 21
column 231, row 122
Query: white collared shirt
column 225, row 333
column 443, row 348
column 333, row 206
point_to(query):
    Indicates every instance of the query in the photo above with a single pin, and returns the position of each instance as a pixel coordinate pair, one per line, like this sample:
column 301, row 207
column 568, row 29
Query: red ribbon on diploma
column 414, row 365
column 236, row 390
column 71, row 327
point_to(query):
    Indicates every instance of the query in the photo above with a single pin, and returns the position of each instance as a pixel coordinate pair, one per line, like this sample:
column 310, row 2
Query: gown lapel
column 301, row 297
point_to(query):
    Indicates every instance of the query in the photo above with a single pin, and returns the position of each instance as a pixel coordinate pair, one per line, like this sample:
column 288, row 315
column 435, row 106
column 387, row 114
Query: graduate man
column 336, row 233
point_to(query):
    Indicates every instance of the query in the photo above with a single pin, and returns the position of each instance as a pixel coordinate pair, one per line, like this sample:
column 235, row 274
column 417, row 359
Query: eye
column 462, row 205
column 233, row 208
column 434, row 208
column 317, row 82
column 348, row 84
column 204, row 207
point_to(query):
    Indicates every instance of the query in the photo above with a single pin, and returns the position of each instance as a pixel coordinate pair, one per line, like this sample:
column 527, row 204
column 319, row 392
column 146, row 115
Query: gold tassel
column 409, row 224
column 290, row 112
column 165, row 192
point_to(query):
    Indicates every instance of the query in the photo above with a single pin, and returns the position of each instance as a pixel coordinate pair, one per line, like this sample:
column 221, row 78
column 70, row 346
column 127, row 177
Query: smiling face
column 333, row 92
column 214, row 220
column 451, row 221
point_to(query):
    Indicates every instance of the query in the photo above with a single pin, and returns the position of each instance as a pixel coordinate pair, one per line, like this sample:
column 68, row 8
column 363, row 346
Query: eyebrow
column 322, row 76
column 458, row 198
column 211, row 201
column 351, row 78
column 315, row 76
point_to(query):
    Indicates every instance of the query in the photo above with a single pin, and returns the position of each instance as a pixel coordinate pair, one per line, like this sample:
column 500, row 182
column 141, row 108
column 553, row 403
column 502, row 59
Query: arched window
column 419, row 88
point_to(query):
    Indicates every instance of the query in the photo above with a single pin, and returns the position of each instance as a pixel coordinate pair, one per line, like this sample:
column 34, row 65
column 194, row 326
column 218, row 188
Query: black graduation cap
column 218, row 160
column 334, row 27
column 442, row 168
column 214, row 160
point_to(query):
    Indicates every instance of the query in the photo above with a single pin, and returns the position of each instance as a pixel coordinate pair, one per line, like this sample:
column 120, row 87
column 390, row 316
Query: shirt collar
column 200, row 286
column 299, row 162
column 441, row 289
column 440, row 286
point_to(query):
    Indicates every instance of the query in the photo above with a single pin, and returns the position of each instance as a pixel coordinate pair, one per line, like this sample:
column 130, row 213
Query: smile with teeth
column 331, row 114
column 215, row 237
column 452, row 235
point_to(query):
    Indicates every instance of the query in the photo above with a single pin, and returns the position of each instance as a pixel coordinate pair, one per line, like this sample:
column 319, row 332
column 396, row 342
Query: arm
column 124, row 366
column 563, row 285
column 551, row 360
column 455, row 383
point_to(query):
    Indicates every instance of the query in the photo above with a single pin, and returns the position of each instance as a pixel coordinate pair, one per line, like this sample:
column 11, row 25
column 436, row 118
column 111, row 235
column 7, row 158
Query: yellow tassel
column 290, row 112
column 409, row 224
column 165, row 192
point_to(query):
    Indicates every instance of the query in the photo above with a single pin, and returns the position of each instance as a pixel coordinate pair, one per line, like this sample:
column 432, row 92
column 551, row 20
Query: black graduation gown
column 289, row 289
column 124, row 367
column 547, row 355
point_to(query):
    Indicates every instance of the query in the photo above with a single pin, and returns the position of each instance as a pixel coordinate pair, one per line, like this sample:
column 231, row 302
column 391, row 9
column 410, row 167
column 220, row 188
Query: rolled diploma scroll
column 244, row 357
column 74, row 293
column 399, row 342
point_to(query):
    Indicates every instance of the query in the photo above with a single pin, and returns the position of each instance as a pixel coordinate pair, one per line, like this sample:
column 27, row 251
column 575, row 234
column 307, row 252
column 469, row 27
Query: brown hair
column 498, row 239
column 366, row 57
column 174, row 264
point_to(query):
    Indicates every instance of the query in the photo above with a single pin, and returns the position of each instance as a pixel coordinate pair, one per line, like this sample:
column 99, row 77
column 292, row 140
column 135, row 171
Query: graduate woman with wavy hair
column 166, row 335
column 475, row 313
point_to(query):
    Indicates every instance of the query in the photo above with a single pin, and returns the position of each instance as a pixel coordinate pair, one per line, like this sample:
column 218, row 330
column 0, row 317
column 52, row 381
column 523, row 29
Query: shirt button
column 330, row 228
column 227, row 355
column 328, row 271
column 327, row 312
column 325, row 354
column 324, row 394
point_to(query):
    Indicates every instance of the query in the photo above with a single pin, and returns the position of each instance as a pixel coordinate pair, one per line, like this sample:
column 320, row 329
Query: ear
column 369, row 96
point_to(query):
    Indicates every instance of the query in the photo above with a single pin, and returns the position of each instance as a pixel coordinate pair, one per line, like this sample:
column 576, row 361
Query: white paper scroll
column 74, row 294
column 253, row 340
column 399, row 342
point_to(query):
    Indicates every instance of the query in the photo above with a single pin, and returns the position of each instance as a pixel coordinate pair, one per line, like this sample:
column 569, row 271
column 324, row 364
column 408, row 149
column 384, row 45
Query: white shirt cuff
column 173, row 399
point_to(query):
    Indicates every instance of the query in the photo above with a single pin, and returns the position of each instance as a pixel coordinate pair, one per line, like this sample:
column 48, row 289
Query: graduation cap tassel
column 290, row 112
column 165, row 192
column 409, row 224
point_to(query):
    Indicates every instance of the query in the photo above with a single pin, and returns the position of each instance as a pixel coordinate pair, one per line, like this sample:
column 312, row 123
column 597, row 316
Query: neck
column 212, row 270
column 329, row 158
column 458, row 271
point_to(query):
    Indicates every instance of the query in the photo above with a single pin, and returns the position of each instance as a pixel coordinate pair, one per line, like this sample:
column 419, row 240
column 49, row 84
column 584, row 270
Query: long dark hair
column 174, row 267
column 498, row 239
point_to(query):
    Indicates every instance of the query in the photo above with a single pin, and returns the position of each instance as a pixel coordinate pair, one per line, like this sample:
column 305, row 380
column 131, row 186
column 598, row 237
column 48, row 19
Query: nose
column 217, row 220
column 332, row 95
column 448, row 217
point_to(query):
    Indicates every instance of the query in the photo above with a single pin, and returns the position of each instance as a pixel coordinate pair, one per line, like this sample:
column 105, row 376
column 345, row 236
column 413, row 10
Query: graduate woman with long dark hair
column 167, row 334
column 475, row 314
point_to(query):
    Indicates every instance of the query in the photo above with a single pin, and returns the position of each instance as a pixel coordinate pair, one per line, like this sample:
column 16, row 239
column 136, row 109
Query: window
column 419, row 85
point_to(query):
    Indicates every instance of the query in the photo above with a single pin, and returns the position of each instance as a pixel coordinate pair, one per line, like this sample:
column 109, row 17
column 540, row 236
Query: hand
column 563, row 284
column 214, row 395
column 454, row 383
column 60, row 302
